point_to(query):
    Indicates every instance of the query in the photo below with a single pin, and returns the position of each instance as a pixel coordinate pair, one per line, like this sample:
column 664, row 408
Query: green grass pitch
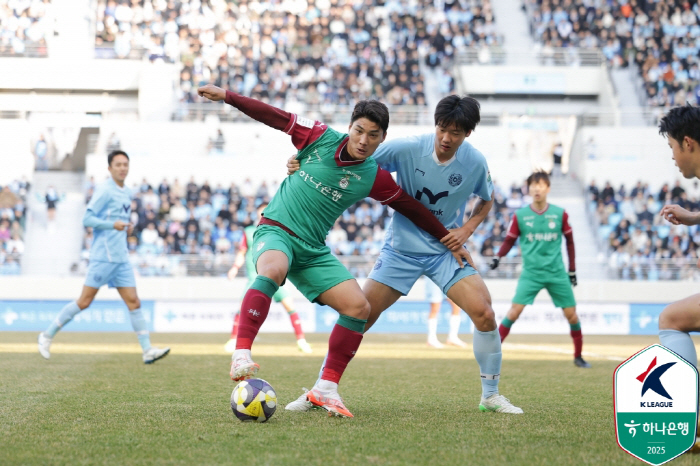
column 94, row 402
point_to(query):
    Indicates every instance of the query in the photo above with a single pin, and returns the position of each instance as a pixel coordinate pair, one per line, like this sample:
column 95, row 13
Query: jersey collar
column 537, row 211
column 343, row 163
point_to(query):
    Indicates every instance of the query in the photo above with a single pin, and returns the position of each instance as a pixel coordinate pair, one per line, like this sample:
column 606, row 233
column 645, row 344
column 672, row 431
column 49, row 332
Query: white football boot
column 435, row 343
column 153, row 354
column 230, row 346
column 242, row 366
column 498, row 404
column 304, row 346
column 455, row 341
column 301, row 404
column 44, row 345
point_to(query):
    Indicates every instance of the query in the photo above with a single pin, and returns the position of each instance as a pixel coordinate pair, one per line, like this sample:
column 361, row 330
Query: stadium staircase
column 52, row 248
column 567, row 193
column 627, row 97
column 513, row 25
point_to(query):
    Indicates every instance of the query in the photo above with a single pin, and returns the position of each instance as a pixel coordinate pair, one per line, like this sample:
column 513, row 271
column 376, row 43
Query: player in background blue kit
column 442, row 171
column 108, row 214
column 435, row 296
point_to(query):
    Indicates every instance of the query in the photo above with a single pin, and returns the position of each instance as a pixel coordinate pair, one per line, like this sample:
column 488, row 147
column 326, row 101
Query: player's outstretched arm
column 679, row 216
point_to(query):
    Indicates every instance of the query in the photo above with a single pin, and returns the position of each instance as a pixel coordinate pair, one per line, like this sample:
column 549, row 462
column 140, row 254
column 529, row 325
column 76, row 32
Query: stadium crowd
column 661, row 38
column 13, row 211
column 191, row 229
column 640, row 244
column 24, row 27
column 300, row 53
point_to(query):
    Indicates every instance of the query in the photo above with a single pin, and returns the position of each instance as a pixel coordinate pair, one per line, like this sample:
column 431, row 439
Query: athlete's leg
column 510, row 318
column 575, row 329
column 138, row 322
column 288, row 304
column 433, row 294
column 562, row 294
column 455, row 322
column 230, row 345
column 70, row 310
column 675, row 321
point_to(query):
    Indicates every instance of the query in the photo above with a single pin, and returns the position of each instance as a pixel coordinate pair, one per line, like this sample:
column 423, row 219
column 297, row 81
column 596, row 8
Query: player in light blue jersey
column 441, row 170
column 108, row 215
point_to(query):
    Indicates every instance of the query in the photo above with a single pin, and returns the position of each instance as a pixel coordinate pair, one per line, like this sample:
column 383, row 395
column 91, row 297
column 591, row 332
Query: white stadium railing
column 539, row 56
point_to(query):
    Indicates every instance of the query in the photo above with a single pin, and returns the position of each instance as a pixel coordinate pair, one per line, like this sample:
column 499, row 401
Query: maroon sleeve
column 386, row 191
column 569, row 235
column 513, row 233
column 302, row 130
column 243, row 245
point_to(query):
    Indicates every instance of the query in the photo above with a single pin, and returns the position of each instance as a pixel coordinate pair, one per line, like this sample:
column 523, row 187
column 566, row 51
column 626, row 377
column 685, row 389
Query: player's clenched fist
column 678, row 215
column 212, row 92
column 292, row 165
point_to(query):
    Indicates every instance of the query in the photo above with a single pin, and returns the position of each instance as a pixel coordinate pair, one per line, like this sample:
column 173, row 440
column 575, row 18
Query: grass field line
column 511, row 351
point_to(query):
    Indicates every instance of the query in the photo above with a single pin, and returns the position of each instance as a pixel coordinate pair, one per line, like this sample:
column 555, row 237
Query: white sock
column 432, row 329
column 455, row 321
column 327, row 386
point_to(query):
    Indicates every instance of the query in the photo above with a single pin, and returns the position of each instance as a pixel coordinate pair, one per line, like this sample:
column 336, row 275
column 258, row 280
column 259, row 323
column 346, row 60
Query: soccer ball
column 254, row 400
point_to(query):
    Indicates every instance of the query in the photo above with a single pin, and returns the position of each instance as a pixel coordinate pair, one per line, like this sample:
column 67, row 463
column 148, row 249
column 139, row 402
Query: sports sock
column 680, row 343
column 236, row 320
column 254, row 309
column 504, row 328
column 455, row 321
column 138, row 323
column 343, row 343
column 578, row 338
column 487, row 351
column 432, row 329
column 296, row 323
column 67, row 313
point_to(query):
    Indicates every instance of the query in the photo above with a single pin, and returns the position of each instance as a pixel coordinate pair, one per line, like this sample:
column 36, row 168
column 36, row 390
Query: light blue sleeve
column 95, row 207
column 389, row 153
column 483, row 186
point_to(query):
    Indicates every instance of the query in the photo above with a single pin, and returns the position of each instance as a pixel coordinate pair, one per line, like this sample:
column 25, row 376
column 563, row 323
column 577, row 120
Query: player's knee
column 485, row 321
column 83, row 303
column 275, row 273
column 359, row 309
column 133, row 304
column 669, row 320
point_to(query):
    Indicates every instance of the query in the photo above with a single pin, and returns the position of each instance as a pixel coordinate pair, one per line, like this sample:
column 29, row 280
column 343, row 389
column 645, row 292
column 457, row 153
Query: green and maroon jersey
column 309, row 201
column 540, row 236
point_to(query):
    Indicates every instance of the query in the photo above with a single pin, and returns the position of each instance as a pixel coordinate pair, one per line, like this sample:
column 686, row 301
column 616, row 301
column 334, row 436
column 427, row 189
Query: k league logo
column 656, row 401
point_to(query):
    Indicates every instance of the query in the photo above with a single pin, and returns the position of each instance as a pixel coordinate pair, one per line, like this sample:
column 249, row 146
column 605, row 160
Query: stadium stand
column 196, row 229
column 13, row 211
column 659, row 38
column 323, row 53
column 24, row 27
column 639, row 244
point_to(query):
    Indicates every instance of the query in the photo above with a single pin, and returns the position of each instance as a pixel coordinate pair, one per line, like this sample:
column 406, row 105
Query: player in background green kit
column 540, row 227
column 245, row 255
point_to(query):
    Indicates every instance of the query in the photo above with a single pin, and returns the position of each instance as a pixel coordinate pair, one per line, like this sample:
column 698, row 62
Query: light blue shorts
column 114, row 274
column 433, row 293
column 401, row 272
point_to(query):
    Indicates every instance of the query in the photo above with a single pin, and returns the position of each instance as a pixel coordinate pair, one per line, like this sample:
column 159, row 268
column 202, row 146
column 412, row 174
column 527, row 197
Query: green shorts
column 281, row 294
column 312, row 270
column 558, row 287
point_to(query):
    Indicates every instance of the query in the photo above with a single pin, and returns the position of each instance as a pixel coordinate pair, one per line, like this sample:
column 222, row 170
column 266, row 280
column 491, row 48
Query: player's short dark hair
column 374, row 111
column 113, row 154
column 463, row 112
column 538, row 176
column 680, row 122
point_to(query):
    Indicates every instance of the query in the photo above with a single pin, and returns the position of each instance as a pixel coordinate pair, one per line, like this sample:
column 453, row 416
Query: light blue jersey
column 443, row 188
column 109, row 204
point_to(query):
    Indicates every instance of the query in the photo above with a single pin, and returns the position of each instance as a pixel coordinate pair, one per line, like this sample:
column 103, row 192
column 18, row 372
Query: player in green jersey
column 336, row 171
column 540, row 227
column 245, row 255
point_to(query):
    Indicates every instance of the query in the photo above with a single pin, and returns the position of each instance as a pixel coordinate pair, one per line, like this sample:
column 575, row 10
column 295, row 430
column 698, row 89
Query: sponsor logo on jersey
column 420, row 171
column 552, row 225
column 325, row 190
column 542, row 236
column 432, row 198
column 344, row 182
column 311, row 159
column 305, row 122
column 488, row 177
column 126, row 207
column 455, row 179
column 351, row 173
column 530, row 224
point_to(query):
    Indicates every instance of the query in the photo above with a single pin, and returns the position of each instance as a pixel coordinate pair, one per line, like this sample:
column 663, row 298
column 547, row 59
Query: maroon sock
column 503, row 331
column 296, row 323
column 578, row 342
column 236, row 320
column 254, row 309
column 342, row 346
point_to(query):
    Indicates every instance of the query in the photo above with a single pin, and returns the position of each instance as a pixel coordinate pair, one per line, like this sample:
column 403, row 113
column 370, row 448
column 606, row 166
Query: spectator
column 41, row 150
